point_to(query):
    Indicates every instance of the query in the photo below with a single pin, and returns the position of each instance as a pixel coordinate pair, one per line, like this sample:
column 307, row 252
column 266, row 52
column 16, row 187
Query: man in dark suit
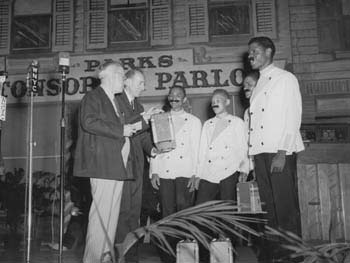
column 102, row 152
column 140, row 143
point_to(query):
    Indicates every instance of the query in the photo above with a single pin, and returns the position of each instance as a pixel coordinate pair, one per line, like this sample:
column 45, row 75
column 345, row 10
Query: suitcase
column 221, row 251
column 248, row 199
column 187, row 252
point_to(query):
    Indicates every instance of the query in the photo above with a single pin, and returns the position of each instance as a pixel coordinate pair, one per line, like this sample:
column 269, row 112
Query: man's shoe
column 56, row 246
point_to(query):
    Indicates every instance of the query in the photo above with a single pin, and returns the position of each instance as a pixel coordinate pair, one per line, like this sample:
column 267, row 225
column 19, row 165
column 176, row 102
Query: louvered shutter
column 97, row 24
column 161, row 26
column 5, row 18
column 63, row 13
column 197, row 21
column 264, row 17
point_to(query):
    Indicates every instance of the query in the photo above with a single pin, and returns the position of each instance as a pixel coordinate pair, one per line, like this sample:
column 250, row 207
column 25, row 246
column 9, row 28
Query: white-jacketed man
column 222, row 153
column 174, row 172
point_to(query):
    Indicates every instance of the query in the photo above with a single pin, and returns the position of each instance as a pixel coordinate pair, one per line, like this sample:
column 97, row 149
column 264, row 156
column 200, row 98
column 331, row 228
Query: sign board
column 163, row 69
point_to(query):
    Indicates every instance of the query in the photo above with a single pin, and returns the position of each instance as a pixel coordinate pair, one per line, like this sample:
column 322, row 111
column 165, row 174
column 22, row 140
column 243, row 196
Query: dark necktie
column 132, row 103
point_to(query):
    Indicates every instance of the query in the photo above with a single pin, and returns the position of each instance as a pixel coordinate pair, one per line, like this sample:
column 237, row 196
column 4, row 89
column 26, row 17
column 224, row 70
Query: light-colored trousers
column 103, row 218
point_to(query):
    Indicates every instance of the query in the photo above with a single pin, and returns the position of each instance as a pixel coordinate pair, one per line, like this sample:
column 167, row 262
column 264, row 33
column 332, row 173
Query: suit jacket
column 141, row 141
column 100, row 139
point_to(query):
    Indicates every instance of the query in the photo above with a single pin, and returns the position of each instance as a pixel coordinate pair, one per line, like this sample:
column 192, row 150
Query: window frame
column 129, row 44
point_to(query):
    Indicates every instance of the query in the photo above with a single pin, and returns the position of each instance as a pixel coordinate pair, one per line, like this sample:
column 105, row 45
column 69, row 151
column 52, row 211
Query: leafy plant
column 219, row 217
column 324, row 253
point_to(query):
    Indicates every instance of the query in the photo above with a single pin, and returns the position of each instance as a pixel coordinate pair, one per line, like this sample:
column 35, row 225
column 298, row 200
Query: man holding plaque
column 140, row 142
column 173, row 172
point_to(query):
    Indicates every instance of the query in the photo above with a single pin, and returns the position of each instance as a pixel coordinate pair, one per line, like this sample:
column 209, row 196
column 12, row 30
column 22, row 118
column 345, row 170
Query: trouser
column 130, row 211
column 174, row 196
column 279, row 198
column 224, row 190
column 103, row 218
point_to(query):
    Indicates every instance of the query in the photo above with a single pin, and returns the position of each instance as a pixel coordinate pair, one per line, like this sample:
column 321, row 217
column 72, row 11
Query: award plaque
column 163, row 131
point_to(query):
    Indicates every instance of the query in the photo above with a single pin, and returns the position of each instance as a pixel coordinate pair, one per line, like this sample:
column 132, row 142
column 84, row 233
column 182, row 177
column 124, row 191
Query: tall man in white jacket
column 275, row 118
column 173, row 173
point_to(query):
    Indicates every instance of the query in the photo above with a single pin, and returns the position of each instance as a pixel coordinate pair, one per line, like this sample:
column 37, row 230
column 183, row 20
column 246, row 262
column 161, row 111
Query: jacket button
column 209, row 161
column 250, row 145
column 251, row 129
column 210, row 148
column 262, row 127
column 250, row 113
column 262, row 143
column 180, row 157
column 167, row 171
column 262, row 109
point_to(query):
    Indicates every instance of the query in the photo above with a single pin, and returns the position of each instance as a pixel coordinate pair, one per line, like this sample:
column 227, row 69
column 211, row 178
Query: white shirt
column 248, row 164
column 222, row 151
column 275, row 113
column 183, row 160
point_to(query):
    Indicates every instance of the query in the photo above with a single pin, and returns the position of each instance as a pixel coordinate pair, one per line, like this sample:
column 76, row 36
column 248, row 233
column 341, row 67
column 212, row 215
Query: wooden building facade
column 198, row 44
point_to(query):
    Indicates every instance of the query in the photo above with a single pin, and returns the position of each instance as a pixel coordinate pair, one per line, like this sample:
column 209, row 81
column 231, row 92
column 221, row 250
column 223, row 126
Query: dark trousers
column 129, row 216
column 279, row 197
column 207, row 191
column 174, row 196
column 224, row 190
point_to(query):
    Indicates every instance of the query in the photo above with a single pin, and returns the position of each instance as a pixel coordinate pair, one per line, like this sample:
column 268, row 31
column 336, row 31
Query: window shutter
column 97, row 24
column 161, row 26
column 5, row 18
column 264, row 18
column 197, row 21
column 63, row 13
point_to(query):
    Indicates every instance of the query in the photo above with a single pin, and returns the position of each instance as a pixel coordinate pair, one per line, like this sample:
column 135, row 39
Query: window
column 333, row 25
column 230, row 20
column 128, row 23
column 36, row 25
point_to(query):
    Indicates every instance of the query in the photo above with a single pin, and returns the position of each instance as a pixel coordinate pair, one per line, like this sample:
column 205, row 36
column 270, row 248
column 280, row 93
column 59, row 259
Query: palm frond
column 195, row 223
column 330, row 252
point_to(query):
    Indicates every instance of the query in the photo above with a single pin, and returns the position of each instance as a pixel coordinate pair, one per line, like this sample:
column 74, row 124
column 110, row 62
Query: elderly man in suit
column 102, row 152
column 140, row 144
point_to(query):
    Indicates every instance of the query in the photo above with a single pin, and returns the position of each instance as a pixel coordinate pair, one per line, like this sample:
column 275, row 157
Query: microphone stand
column 62, row 163
column 30, row 176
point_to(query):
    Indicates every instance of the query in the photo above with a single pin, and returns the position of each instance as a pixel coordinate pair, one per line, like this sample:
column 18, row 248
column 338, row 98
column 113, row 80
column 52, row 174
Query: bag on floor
column 187, row 252
column 221, row 251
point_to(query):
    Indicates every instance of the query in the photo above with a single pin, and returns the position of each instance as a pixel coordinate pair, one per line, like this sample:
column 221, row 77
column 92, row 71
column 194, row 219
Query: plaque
column 163, row 131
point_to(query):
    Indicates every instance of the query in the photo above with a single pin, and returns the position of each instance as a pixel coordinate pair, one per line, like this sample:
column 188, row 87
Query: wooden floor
column 147, row 254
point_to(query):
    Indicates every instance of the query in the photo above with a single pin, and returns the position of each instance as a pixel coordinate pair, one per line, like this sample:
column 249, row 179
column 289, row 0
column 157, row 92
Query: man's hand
column 155, row 181
column 155, row 152
column 278, row 162
column 147, row 115
column 192, row 183
column 242, row 177
column 129, row 130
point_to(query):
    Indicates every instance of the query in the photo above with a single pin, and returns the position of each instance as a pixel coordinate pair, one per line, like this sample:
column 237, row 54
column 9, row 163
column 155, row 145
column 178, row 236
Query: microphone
column 35, row 72
column 63, row 62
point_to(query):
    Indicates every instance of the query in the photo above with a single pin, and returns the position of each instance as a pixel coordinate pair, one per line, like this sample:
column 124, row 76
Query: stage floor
column 147, row 254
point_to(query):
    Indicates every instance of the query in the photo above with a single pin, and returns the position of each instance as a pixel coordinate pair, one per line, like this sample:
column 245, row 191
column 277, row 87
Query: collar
column 266, row 71
column 180, row 112
column 108, row 92
column 129, row 96
column 224, row 116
